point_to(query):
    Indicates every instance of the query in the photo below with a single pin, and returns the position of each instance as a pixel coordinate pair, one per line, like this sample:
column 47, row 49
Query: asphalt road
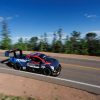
column 78, row 73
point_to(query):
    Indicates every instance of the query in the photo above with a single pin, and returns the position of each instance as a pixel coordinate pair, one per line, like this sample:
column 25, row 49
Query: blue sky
column 28, row 18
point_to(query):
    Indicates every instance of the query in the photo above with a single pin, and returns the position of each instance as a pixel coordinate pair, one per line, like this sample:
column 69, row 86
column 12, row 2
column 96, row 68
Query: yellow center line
column 84, row 67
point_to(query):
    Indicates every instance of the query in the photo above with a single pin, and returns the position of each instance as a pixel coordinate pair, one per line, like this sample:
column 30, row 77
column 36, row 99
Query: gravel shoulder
column 20, row 86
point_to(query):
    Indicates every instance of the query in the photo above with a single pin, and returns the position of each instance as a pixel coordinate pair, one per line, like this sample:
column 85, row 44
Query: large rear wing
column 7, row 53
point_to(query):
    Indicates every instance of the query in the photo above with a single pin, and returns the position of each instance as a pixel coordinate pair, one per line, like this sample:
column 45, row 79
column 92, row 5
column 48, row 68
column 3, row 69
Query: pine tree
column 20, row 44
column 5, row 35
column 93, row 44
column 33, row 43
column 54, row 42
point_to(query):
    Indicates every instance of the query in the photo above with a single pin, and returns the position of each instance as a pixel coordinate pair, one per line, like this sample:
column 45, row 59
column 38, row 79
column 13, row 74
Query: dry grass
column 9, row 97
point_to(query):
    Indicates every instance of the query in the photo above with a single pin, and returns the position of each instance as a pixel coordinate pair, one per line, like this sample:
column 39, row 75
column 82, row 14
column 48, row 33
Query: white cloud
column 9, row 18
column 1, row 18
column 5, row 18
column 15, row 39
column 92, row 16
column 49, row 37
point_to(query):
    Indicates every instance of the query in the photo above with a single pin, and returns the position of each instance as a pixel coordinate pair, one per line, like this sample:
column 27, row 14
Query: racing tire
column 47, row 71
column 59, row 68
column 58, row 71
column 10, row 64
column 29, row 69
column 17, row 66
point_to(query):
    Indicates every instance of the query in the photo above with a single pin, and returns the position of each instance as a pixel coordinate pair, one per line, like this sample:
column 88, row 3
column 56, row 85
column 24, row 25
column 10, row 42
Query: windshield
column 42, row 55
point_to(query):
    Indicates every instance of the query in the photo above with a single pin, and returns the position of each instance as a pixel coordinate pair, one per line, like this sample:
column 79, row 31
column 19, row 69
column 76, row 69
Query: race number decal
column 32, row 65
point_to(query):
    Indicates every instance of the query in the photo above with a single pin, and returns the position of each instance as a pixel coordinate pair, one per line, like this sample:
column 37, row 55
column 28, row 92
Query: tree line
column 73, row 44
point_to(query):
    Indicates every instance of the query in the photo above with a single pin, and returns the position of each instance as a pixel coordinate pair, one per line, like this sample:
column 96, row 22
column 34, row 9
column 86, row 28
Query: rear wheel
column 9, row 64
column 29, row 69
column 17, row 66
column 47, row 71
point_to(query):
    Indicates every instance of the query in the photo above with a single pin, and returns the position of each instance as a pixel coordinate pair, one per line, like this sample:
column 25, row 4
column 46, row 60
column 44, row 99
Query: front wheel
column 58, row 71
column 47, row 71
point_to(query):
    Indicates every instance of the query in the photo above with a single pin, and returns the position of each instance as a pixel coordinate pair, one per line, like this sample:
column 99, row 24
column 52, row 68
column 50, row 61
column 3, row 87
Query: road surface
column 78, row 73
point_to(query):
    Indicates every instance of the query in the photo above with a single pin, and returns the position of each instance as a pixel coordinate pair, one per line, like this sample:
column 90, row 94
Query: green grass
column 9, row 97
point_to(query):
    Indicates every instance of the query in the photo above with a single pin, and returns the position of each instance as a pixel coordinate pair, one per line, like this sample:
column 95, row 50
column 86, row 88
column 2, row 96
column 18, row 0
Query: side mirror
column 6, row 53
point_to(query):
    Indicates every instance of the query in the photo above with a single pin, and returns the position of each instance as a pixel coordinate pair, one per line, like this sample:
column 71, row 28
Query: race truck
column 34, row 62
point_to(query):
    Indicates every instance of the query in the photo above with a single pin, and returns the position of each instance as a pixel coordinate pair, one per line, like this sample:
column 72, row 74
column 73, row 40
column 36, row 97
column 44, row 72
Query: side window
column 36, row 59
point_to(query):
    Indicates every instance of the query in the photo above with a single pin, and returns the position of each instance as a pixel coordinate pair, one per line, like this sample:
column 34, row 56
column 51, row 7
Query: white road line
column 57, row 78
column 77, row 82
